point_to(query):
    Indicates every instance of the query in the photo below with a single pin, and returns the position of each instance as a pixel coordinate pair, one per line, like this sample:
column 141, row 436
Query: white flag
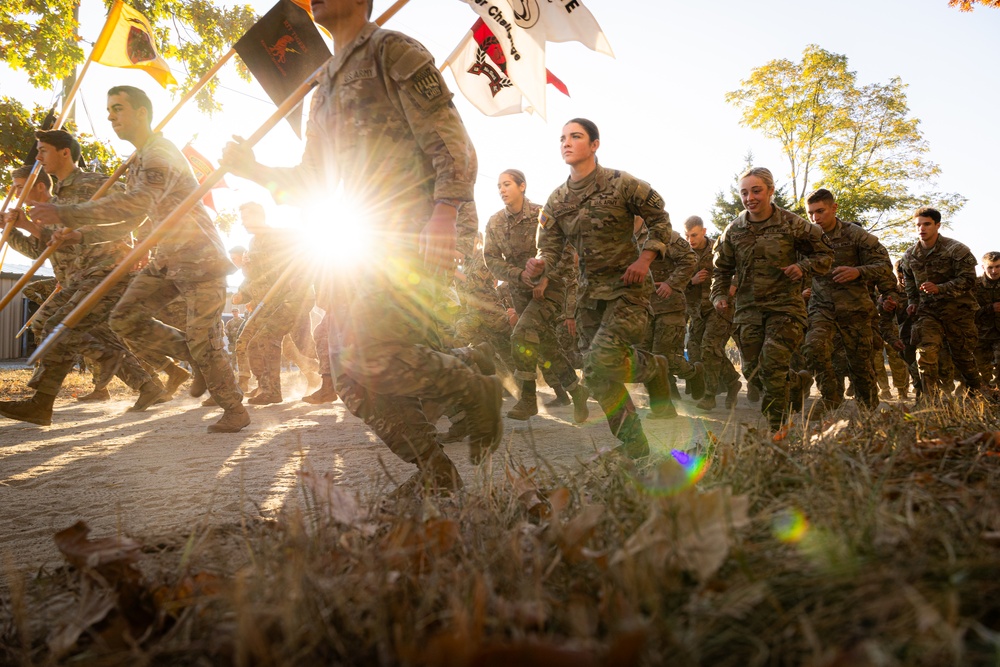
column 479, row 67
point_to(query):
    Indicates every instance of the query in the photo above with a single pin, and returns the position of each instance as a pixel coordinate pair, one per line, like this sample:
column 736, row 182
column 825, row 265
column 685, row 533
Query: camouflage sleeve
column 147, row 186
column 495, row 261
column 433, row 118
column 685, row 263
column 642, row 200
column 909, row 281
column 723, row 267
column 116, row 231
column 887, row 326
column 550, row 239
column 876, row 267
column 815, row 254
column 29, row 246
column 964, row 267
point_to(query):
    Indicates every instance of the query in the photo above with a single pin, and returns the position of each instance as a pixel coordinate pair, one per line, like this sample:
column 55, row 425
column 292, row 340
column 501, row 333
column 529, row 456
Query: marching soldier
column 988, row 319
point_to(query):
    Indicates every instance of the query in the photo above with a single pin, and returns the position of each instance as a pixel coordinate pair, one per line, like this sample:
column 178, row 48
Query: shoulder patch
column 427, row 82
column 154, row 176
column 654, row 199
column 544, row 219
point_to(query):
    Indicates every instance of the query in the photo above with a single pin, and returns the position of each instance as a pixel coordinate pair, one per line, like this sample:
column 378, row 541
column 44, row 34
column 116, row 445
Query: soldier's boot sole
column 525, row 408
column 581, row 412
column 733, row 394
column 96, row 396
column 232, row 421
column 148, row 394
column 31, row 411
column 486, row 427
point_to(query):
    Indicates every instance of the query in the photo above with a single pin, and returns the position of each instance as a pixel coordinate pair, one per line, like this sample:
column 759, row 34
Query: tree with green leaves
column 858, row 141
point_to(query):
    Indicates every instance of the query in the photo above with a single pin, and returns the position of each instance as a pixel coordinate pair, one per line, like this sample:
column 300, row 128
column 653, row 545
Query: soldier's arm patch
column 654, row 199
column 544, row 219
column 154, row 176
column 427, row 82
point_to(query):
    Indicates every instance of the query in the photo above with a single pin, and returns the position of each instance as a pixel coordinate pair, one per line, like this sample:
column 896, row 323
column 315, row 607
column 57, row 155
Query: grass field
column 871, row 541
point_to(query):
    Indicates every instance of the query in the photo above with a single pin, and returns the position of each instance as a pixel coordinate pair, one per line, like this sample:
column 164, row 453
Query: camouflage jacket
column 383, row 125
column 948, row 264
column 478, row 291
column 509, row 243
column 854, row 247
column 597, row 217
column 81, row 260
column 699, row 297
column 987, row 320
column 158, row 179
column 269, row 253
column 755, row 252
column 233, row 327
column 675, row 268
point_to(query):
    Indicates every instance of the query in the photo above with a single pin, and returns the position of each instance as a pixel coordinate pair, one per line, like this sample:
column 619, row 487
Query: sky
column 660, row 103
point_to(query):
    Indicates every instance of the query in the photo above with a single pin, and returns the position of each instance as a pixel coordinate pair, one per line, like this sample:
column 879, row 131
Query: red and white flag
column 523, row 26
column 480, row 70
column 202, row 168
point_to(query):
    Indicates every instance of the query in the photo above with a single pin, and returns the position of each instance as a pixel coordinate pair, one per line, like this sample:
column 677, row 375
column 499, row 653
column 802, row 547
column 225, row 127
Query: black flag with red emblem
column 281, row 50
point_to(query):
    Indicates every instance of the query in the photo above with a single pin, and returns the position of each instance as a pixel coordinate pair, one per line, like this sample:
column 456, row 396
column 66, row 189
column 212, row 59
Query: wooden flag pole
column 26, row 278
column 389, row 13
column 187, row 97
column 35, row 315
column 141, row 250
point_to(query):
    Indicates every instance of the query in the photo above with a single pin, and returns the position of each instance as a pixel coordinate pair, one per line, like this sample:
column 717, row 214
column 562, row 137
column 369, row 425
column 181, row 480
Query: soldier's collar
column 68, row 180
column 341, row 57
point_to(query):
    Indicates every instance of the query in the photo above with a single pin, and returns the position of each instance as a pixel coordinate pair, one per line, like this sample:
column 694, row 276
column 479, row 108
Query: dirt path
column 159, row 473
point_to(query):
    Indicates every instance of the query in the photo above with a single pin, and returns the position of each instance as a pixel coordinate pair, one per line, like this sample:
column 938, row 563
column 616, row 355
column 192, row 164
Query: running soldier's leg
column 963, row 339
column 928, row 337
column 203, row 338
column 534, row 344
column 719, row 369
column 782, row 335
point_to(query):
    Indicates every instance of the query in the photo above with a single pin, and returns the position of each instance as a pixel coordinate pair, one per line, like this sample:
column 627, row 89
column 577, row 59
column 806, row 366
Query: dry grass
column 13, row 385
column 864, row 542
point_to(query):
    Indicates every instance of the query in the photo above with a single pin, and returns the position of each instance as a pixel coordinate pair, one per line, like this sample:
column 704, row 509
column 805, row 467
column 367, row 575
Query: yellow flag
column 127, row 41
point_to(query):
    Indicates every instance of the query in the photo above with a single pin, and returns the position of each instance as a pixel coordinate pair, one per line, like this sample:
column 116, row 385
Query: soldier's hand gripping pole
column 23, row 280
column 140, row 251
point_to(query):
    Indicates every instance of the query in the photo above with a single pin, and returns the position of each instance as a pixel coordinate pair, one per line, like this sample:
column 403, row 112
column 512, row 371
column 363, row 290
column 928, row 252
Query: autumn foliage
column 969, row 5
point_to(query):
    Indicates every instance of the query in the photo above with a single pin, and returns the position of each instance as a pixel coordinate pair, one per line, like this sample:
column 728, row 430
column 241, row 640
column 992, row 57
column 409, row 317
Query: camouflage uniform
column 709, row 330
column 988, row 322
column 270, row 252
column 382, row 122
column 79, row 268
column 843, row 312
column 946, row 318
column 190, row 262
column 597, row 216
column 699, row 302
column 232, row 329
column 770, row 313
column 509, row 243
column 484, row 317
column 665, row 333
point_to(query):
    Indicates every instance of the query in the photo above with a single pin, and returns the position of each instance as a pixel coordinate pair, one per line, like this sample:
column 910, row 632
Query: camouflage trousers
column 766, row 350
column 484, row 326
column 609, row 332
column 697, row 320
column 533, row 343
column 852, row 333
column 200, row 343
column 958, row 333
column 883, row 354
column 263, row 334
column 174, row 314
column 389, row 358
column 91, row 337
column 716, row 330
column 988, row 360
column 665, row 336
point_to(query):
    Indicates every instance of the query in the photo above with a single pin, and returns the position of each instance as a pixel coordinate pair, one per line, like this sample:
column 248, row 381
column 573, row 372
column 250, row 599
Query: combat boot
column 665, row 411
column 110, row 364
column 904, row 393
column 232, row 421
column 707, row 403
column 562, row 398
column 198, row 385
column 633, row 439
column 457, row 432
column 148, row 393
column 733, row 394
column 266, row 398
column 96, row 396
column 805, row 386
column 886, row 394
column 176, row 376
column 696, row 380
column 580, row 394
column 209, row 402
column 527, row 405
column 35, row 410
column 244, row 383
column 482, row 409
column 325, row 394
column 658, row 386
column 435, row 475
column 753, row 392
column 675, row 393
